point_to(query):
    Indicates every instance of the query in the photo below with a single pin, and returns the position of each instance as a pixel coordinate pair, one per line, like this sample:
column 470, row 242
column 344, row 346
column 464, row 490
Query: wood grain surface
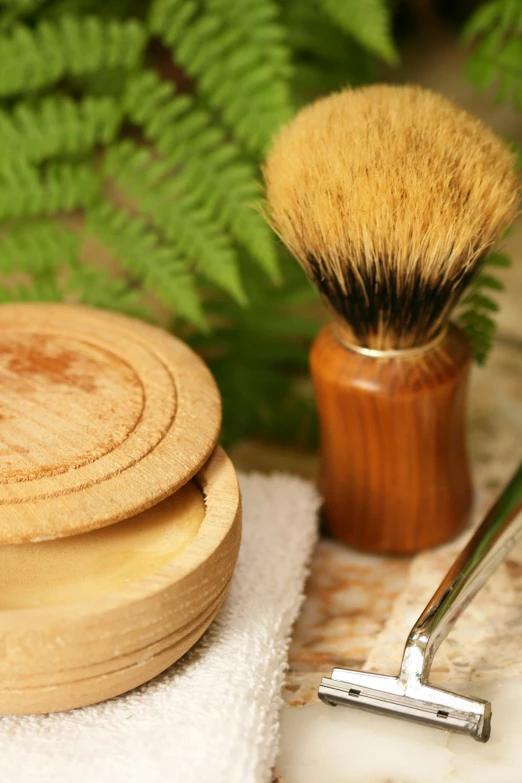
column 101, row 416
column 61, row 657
column 394, row 469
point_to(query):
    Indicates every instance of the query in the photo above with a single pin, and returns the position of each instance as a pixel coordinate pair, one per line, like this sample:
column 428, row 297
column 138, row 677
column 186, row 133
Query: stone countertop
column 359, row 608
column 354, row 601
column 358, row 612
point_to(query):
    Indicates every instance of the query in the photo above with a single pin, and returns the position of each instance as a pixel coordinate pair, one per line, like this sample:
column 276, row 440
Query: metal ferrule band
column 375, row 353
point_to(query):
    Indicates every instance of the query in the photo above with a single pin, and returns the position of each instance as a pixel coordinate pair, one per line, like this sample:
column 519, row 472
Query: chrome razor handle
column 487, row 548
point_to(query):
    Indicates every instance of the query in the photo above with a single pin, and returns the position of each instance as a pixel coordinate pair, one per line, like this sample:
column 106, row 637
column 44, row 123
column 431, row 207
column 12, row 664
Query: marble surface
column 323, row 745
column 358, row 612
column 359, row 609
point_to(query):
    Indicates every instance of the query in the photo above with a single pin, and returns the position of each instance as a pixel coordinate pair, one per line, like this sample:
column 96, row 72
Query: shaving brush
column 390, row 198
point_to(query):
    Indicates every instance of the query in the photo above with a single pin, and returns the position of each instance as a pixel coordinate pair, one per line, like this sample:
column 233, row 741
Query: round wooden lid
column 101, row 416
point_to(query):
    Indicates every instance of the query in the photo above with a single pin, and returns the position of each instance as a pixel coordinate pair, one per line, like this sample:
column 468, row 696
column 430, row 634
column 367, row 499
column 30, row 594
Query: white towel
column 213, row 717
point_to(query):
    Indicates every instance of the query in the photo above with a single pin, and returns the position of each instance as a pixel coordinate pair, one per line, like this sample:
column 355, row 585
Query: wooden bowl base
column 61, row 657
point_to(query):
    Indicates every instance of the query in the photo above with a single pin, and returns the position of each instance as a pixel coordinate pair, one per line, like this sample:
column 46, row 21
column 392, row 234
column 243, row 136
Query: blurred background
column 132, row 136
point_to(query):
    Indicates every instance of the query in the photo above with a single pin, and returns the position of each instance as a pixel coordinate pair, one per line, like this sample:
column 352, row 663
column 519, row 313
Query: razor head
column 425, row 704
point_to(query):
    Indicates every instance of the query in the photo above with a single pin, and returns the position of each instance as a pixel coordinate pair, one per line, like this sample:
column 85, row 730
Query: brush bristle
column 390, row 198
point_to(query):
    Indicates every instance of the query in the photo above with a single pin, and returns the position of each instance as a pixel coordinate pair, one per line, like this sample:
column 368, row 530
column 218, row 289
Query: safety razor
column 409, row 695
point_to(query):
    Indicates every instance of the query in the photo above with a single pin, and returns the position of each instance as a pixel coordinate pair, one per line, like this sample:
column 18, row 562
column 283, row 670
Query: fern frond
column 17, row 172
column 497, row 57
column 211, row 166
column 47, row 254
column 33, row 58
column 260, row 30
column 325, row 57
column 183, row 191
column 367, row 21
column 316, row 33
column 46, row 290
column 474, row 313
column 86, row 284
column 500, row 15
column 240, row 57
column 57, row 126
column 264, row 348
column 499, row 260
column 15, row 10
column 109, row 9
column 37, row 248
column 23, row 5
column 196, row 236
column 61, row 187
column 158, row 268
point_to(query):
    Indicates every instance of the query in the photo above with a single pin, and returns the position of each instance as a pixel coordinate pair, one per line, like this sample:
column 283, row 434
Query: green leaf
column 239, row 57
column 368, row 22
column 56, row 126
column 499, row 260
column 497, row 54
column 498, row 15
column 478, row 320
column 60, row 187
column 473, row 311
column 481, row 301
column 86, row 284
column 208, row 164
column 259, row 357
column 168, row 178
column 488, row 281
column 36, row 291
column 33, row 58
column 37, row 248
column 190, row 229
column 155, row 265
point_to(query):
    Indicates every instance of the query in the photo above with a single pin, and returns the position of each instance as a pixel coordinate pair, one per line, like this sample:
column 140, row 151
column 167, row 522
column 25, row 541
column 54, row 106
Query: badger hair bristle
column 390, row 197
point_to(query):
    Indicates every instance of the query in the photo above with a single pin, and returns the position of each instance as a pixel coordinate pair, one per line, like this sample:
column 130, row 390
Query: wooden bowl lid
column 101, row 416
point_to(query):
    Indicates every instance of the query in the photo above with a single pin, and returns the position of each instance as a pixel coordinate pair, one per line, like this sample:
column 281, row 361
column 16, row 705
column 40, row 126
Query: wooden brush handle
column 394, row 467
